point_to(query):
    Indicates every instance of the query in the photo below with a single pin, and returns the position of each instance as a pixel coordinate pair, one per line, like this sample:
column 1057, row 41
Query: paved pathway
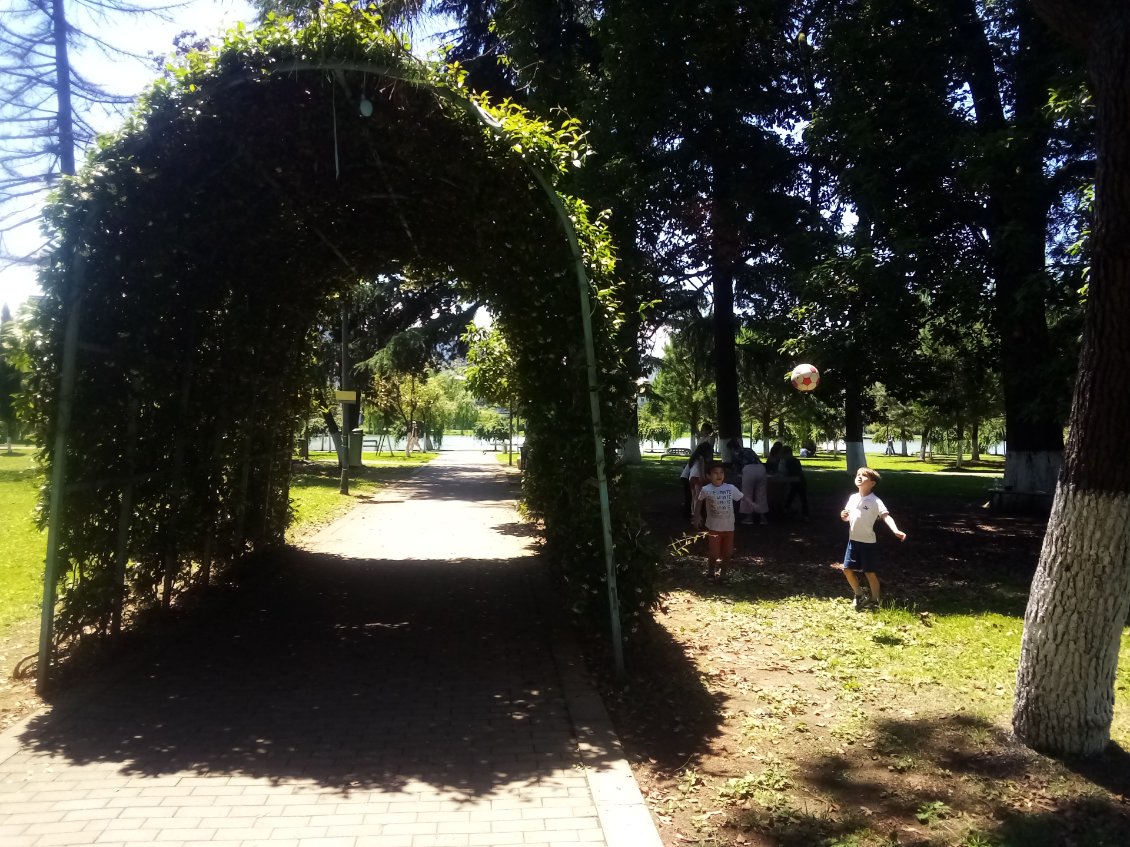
column 400, row 682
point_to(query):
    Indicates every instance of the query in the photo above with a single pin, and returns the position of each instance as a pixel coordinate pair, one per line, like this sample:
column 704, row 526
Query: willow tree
column 1081, row 591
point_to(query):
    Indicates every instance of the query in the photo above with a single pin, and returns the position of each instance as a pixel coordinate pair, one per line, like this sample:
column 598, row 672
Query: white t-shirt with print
column 720, row 505
column 863, row 512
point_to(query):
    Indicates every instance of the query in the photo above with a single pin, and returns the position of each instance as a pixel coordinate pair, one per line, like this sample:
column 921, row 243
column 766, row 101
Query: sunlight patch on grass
column 315, row 499
column 22, row 546
column 382, row 459
column 948, row 662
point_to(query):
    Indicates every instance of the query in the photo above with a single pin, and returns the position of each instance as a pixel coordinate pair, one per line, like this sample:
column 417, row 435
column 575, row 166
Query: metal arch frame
column 71, row 343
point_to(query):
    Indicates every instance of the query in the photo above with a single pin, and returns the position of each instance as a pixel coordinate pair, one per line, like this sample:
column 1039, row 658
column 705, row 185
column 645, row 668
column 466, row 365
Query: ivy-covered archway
column 193, row 253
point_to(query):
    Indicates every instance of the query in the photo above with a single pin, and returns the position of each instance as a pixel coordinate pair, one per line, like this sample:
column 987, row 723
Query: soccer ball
column 805, row 377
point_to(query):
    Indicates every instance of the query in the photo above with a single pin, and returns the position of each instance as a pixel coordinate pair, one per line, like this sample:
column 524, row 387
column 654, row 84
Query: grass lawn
column 22, row 546
column 314, row 491
column 314, row 497
column 764, row 711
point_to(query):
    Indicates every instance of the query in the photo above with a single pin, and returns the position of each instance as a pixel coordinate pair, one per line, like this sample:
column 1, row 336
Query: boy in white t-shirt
column 862, row 511
column 719, row 497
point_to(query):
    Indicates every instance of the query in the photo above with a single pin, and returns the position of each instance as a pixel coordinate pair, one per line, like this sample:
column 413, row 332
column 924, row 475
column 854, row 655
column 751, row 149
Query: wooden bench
column 1008, row 500
column 677, row 452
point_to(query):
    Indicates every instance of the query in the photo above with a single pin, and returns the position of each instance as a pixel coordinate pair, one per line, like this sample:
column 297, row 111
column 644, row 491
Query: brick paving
column 401, row 681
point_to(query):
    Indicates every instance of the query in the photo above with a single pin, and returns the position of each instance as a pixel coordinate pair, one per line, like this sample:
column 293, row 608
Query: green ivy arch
column 193, row 253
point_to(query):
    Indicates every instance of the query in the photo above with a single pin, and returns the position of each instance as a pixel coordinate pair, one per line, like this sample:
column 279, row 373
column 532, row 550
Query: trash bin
column 356, row 439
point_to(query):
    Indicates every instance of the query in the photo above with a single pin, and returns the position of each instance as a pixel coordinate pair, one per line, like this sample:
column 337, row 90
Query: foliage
column 492, row 427
column 683, row 390
column 194, row 370
column 985, row 185
column 490, row 366
column 407, row 398
column 463, row 411
column 653, row 429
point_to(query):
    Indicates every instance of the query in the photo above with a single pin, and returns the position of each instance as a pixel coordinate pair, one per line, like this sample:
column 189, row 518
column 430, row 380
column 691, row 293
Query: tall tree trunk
column 60, row 29
column 975, row 441
column 723, row 264
column 853, row 426
column 1081, row 591
column 1019, row 200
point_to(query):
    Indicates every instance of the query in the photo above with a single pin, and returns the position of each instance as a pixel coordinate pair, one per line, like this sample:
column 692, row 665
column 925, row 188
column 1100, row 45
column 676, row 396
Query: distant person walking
column 863, row 509
column 890, row 447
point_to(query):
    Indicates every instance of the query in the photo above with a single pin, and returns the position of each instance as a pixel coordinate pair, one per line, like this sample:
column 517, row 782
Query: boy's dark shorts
column 861, row 556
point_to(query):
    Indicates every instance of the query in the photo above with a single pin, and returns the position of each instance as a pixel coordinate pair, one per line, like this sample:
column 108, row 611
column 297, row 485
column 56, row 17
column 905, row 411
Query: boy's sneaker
column 861, row 602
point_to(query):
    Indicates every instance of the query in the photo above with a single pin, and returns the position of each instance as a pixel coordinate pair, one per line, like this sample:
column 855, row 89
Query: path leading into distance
column 400, row 681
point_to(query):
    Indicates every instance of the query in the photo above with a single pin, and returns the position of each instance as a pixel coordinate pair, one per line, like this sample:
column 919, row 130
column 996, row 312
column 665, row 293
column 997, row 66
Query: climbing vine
column 254, row 184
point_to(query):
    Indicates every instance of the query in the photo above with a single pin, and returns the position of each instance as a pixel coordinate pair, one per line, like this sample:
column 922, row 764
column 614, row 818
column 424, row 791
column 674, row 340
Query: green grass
column 314, row 491
column 901, row 475
column 382, row 459
column 314, row 498
column 22, row 546
column 958, row 662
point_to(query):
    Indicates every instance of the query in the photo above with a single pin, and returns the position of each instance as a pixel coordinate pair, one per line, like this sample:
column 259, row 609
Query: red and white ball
column 805, row 377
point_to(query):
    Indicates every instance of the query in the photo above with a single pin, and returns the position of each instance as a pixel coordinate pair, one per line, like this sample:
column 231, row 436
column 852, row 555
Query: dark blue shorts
column 861, row 556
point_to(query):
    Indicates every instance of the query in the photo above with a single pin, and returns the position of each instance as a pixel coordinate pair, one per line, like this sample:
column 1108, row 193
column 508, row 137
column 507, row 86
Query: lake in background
column 469, row 442
column 450, row 442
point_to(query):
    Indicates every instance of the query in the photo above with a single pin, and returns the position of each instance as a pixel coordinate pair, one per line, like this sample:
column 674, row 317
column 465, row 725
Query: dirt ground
column 18, row 646
column 736, row 742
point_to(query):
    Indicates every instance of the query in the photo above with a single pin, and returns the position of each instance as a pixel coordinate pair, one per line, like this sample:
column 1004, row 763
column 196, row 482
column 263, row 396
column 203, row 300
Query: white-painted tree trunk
column 1032, row 471
column 630, row 450
column 1076, row 609
column 856, row 458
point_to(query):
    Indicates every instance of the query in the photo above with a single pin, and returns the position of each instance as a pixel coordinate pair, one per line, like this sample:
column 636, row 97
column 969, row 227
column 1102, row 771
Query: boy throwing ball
column 861, row 556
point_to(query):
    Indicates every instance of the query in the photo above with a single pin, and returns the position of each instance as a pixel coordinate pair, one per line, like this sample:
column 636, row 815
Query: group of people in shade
column 708, row 494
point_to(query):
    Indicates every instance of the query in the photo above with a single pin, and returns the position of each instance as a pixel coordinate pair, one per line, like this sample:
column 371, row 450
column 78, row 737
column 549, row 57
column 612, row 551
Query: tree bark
column 1018, row 204
column 723, row 264
column 853, row 428
column 60, row 28
column 1081, row 591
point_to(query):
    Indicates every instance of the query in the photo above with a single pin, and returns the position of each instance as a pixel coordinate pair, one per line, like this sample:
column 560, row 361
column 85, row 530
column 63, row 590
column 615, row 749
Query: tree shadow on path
column 351, row 674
